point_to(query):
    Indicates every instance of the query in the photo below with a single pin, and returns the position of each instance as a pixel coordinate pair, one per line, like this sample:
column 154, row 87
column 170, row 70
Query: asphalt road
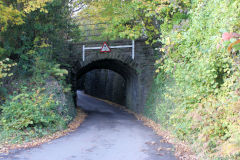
column 108, row 133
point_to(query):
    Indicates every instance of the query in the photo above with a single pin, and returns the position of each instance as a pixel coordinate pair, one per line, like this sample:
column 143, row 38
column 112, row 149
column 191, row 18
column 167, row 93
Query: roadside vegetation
column 35, row 99
column 196, row 89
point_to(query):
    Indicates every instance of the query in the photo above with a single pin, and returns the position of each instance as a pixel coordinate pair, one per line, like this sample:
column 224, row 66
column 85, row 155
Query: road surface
column 108, row 133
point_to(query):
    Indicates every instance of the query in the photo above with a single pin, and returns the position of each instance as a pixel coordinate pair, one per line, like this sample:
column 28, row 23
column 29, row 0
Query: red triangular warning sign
column 105, row 48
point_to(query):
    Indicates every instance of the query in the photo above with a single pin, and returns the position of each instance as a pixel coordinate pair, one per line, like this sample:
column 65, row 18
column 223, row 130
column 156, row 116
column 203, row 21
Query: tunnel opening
column 104, row 84
column 109, row 79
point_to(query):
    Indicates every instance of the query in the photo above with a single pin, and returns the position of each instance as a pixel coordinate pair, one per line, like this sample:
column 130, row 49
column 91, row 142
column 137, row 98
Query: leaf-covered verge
column 72, row 126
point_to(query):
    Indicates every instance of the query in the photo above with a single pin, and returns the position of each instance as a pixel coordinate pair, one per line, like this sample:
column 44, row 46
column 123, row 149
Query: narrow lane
column 108, row 133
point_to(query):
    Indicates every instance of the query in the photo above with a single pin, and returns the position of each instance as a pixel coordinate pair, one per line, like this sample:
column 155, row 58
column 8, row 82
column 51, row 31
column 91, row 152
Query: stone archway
column 137, row 72
column 127, row 72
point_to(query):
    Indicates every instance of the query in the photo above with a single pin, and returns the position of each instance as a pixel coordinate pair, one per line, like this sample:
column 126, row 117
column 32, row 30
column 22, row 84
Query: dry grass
column 5, row 148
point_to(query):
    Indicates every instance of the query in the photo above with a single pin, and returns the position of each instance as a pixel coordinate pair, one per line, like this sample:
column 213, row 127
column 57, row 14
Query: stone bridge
column 137, row 73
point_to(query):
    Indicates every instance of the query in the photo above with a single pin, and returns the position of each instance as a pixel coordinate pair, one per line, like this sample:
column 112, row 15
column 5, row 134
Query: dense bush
column 198, row 83
column 35, row 111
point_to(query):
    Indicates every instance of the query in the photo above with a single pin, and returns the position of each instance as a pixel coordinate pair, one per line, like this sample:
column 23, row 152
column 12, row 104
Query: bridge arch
column 138, row 73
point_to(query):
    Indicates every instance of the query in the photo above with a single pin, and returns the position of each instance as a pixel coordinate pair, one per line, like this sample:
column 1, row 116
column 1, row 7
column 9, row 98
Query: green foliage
column 30, row 114
column 58, row 72
column 159, row 105
column 31, row 109
column 43, row 69
column 36, row 111
column 41, row 35
column 33, row 35
column 134, row 19
column 13, row 12
column 5, row 68
column 123, row 19
column 202, row 104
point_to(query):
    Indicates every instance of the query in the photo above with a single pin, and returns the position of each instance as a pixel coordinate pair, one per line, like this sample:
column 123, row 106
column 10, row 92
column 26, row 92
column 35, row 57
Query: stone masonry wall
column 138, row 73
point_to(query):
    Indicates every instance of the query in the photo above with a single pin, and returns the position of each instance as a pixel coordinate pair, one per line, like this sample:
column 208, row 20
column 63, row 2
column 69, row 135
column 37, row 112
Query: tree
column 132, row 19
column 12, row 12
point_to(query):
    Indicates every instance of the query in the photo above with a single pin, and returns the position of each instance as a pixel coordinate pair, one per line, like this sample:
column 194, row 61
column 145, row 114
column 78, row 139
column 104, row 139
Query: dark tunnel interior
column 109, row 79
column 104, row 84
